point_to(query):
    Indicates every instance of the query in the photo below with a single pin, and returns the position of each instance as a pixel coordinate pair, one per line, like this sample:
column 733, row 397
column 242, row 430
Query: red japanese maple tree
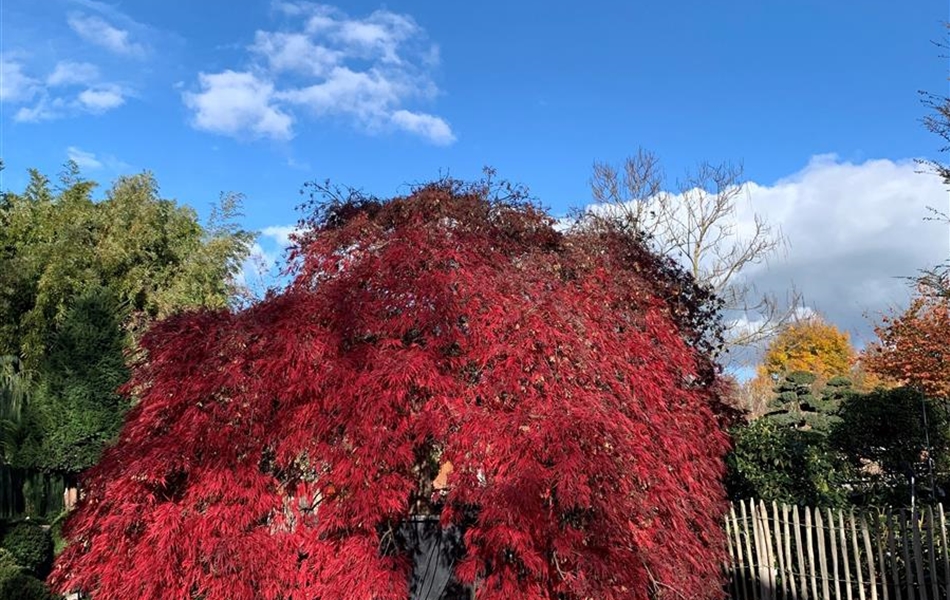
column 563, row 376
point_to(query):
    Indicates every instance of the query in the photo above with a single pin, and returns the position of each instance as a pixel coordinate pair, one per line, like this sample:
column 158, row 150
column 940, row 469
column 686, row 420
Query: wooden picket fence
column 798, row 553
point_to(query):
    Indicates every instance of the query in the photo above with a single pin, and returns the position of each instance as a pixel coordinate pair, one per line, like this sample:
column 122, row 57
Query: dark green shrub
column 31, row 546
column 888, row 435
column 774, row 462
column 16, row 583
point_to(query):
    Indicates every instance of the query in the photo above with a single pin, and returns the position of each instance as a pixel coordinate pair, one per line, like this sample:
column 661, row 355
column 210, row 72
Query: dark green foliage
column 775, row 462
column 31, row 546
column 800, row 378
column 885, row 438
column 76, row 410
column 831, row 445
column 798, row 404
column 16, row 584
column 839, row 382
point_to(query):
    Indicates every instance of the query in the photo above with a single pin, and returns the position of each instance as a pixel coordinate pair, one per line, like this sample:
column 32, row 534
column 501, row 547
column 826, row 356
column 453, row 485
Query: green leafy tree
column 80, row 280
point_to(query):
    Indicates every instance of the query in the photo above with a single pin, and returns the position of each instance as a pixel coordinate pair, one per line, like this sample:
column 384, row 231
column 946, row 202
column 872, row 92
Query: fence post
column 748, row 550
column 905, row 543
column 919, row 556
column 834, row 556
column 857, row 555
column 946, row 550
column 822, row 563
column 811, row 553
column 931, row 549
column 869, row 555
column 788, row 553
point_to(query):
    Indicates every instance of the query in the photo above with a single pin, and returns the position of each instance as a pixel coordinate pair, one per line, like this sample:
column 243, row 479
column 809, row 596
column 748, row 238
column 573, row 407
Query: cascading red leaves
column 563, row 375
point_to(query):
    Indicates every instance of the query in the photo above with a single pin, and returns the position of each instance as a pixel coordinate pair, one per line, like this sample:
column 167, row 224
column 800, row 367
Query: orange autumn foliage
column 913, row 348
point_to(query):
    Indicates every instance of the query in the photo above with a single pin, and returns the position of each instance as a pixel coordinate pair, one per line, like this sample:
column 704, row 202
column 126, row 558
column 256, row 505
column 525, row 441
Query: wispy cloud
column 280, row 234
column 424, row 125
column 325, row 64
column 94, row 29
column 93, row 162
column 44, row 92
column 15, row 84
column 102, row 98
column 47, row 109
column 83, row 159
column 67, row 72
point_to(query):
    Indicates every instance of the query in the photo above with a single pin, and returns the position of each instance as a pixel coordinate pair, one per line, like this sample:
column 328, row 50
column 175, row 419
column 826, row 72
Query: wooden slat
column 822, row 563
column 781, row 587
column 759, row 551
column 869, row 556
column 843, row 540
column 769, row 549
column 788, row 554
column 748, row 550
column 892, row 548
column 946, row 549
column 835, row 572
column 931, row 548
column 879, row 544
column 919, row 556
column 809, row 533
column 857, row 555
column 734, row 568
column 905, row 551
column 796, row 522
column 760, row 555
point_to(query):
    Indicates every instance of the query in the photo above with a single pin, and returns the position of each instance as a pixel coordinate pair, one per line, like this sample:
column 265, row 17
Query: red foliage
column 912, row 348
column 273, row 450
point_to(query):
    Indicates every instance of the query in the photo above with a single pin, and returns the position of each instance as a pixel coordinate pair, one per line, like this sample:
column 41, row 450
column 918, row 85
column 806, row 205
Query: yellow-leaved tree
column 812, row 345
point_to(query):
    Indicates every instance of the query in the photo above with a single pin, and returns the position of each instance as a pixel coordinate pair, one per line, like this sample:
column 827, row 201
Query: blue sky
column 262, row 98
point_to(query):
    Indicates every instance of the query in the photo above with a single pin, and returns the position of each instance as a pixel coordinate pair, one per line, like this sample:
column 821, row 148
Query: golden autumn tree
column 912, row 348
column 811, row 345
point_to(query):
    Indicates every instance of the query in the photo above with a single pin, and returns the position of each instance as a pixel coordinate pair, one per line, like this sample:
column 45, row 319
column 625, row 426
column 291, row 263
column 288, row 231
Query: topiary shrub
column 31, row 546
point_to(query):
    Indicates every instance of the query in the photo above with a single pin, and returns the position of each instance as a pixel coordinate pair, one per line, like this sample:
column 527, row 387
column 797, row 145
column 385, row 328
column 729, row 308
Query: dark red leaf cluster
column 560, row 376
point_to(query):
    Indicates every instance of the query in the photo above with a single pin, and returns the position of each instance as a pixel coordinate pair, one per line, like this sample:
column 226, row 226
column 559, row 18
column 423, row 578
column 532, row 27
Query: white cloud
column 96, row 30
column 46, row 109
column 280, row 234
column 363, row 94
column 92, row 161
column 101, row 99
column 855, row 232
column 294, row 52
column 83, row 159
column 327, row 65
column 68, row 72
column 235, row 103
column 428, row 126
column 15, row 85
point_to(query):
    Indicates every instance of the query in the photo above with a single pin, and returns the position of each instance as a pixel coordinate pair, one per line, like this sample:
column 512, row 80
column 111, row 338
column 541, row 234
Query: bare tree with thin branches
column 698, row 225
column 936, row 280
